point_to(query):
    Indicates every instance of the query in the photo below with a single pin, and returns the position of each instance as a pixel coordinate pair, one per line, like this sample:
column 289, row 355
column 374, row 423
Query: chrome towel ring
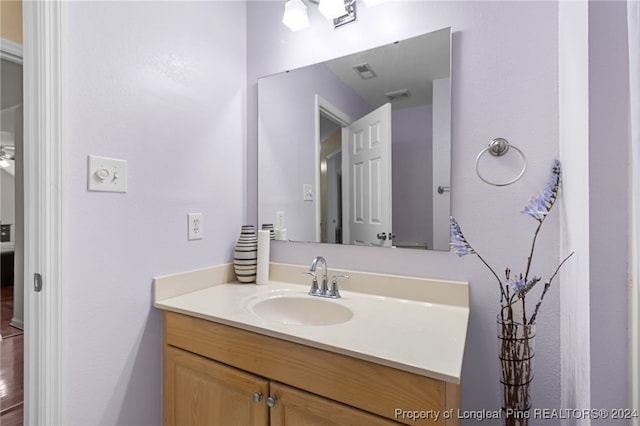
column 498, row 147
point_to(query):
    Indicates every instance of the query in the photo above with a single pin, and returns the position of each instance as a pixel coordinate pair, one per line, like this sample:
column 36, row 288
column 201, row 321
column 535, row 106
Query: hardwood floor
column 11, row 363
column 6, row 313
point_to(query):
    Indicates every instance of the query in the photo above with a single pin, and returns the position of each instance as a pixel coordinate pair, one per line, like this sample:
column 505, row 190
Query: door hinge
column 37, row 282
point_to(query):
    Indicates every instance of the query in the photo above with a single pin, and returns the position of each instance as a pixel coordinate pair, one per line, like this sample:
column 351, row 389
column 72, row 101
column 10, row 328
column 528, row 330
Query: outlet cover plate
column 195, row 229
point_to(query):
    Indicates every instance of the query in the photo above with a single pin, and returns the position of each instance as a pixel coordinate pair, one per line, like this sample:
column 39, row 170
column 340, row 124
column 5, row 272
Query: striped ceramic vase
column 269, row 227
column 245, row 255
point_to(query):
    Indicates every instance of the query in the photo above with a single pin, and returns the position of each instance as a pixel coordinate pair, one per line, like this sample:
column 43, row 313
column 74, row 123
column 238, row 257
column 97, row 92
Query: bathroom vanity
column 243, row 354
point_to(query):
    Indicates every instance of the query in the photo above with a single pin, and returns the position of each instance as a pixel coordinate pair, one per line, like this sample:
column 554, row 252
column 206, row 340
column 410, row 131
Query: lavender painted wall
column 161, row 85
column 411, row 156
column 608, row 193
column 166, row 86
column 504, row 81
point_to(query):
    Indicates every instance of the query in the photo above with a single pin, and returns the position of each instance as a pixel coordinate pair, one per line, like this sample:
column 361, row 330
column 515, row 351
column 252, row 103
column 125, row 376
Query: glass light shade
column 370, row 3
column 4, row 163
column 332, row 9
column 295, row 15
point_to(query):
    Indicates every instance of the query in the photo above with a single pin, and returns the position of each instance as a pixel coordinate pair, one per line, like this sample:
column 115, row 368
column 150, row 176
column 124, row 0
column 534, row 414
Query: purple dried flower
column 540, row 205
column 521, row 286
column 458, row 242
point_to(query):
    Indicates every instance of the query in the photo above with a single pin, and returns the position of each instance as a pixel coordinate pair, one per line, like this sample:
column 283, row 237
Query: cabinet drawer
column 368, row 386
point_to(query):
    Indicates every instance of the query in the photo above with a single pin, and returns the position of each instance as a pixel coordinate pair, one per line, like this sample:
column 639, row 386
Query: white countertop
column 412, row 335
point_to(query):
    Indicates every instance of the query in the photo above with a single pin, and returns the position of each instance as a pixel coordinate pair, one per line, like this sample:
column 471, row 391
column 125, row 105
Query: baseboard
column 17, row 323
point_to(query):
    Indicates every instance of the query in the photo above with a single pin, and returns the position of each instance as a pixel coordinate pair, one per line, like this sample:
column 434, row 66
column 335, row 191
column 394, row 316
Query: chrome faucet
column 315, row 291
column 323, row 290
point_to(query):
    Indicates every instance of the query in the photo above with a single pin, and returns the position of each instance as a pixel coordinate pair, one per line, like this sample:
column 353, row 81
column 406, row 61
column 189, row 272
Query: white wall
column 7, row 200
column 11, row 83
column 574, row 151
column 504, row 80
column 161, row 85
column 10, row 102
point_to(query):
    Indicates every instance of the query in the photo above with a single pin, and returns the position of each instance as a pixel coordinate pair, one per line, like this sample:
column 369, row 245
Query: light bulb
column 332, row 9
column 295, row 15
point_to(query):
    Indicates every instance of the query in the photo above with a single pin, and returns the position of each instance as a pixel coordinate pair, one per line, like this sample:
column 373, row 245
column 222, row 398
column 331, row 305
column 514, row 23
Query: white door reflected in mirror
column 367, row 179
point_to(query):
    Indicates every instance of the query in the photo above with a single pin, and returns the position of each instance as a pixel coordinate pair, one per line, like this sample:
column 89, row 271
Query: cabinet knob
column 271, row 401
column 257, row 396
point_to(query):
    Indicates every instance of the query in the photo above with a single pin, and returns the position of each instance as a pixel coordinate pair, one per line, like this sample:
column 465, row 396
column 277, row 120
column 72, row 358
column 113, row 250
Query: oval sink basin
column 302, row 311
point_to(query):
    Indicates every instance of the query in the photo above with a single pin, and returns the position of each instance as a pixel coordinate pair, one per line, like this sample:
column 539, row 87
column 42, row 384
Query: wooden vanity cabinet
column 202, row 392
column 218, row 375
column 295, row 407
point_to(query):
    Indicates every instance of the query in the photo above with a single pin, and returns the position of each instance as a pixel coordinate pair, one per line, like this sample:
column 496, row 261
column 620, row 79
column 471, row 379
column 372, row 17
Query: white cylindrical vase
column 264, row 240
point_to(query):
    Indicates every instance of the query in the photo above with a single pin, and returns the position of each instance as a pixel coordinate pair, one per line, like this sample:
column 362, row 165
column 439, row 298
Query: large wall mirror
column 357, row 150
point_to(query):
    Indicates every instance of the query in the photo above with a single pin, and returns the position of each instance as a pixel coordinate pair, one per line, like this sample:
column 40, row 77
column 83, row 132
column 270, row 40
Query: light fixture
column 370, row 3
column 295, row 15
column 340, row 11
column 397, row 94
column 332, row 9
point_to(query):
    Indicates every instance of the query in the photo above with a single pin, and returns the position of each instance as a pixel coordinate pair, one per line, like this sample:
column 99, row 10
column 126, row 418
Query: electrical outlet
column 196, row 230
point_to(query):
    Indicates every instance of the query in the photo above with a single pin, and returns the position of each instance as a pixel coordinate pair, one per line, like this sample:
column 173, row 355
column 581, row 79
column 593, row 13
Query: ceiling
column 411, row 65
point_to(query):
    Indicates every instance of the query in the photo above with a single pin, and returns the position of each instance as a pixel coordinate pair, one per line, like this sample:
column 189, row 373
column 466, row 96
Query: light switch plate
column 279, row 219
column 107, row 174
column 307, row 192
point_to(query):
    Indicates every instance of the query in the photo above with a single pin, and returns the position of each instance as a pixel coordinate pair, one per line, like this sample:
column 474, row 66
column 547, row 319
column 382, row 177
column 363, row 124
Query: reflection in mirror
column 356, row 150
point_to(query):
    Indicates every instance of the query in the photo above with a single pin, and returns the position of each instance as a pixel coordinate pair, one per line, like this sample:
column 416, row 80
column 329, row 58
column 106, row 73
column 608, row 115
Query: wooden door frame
column 43, row 23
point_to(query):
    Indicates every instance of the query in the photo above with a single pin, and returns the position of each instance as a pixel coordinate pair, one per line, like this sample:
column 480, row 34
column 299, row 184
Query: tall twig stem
column 533, row 246
column 503, row 295
column 547, row 285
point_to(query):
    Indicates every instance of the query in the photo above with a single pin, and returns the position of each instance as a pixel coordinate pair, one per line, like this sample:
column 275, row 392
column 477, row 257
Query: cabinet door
column 294, row 407
column 199, row 392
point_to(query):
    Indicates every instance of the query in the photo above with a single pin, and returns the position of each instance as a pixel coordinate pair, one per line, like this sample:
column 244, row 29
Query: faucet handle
column 315, row 290
column 333, row 291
